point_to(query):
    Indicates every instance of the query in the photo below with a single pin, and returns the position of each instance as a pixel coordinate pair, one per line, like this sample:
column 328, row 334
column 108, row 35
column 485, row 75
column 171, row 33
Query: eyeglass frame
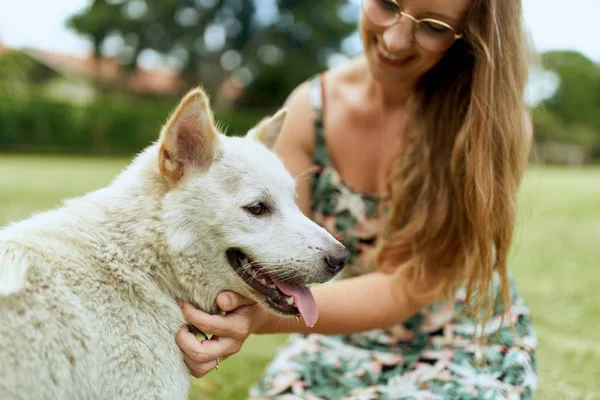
column 417, row 22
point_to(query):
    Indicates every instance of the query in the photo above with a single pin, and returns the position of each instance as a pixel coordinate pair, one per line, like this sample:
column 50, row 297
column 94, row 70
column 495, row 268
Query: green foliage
column 15, row 64
column 93, row 23
column 108, row 125
column 17, row 71
column 306, row 45
column 549, row 127
column 577, row 99
column 571, row 114
column 212, row 40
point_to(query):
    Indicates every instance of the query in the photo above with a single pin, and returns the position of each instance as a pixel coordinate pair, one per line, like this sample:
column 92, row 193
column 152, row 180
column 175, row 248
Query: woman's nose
column 399, row 36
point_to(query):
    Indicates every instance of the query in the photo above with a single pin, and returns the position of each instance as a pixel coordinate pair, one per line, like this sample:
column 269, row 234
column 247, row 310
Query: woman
column 419, row 148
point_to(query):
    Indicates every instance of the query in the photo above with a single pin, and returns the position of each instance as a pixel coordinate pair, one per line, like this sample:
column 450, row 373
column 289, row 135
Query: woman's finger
column 190, row 345
column 234, row 325
column 198, row 370
column 206, row 350
column 220, row 347
column 229, row 301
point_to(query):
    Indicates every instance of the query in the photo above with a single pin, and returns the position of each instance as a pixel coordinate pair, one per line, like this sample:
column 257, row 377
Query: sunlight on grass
column 31, row 184
column 555, row 258
column 238, row 373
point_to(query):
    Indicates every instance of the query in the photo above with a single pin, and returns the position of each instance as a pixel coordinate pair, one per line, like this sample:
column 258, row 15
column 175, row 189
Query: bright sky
column 553, row 25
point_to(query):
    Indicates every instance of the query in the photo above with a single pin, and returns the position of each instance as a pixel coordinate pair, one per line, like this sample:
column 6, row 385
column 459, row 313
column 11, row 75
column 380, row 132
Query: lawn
column 555, row 258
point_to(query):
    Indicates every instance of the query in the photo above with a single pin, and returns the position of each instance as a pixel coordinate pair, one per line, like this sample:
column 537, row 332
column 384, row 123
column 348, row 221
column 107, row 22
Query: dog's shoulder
column 23, row 252
column 15, row 263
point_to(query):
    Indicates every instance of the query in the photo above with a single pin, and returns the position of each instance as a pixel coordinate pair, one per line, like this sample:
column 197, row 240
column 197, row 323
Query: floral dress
column 430, row 356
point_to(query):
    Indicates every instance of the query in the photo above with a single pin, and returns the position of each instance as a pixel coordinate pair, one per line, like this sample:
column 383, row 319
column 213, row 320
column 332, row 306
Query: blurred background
column 84, row 84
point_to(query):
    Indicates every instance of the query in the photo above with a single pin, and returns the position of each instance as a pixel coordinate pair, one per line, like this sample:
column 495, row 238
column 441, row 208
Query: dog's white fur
column 88, row 291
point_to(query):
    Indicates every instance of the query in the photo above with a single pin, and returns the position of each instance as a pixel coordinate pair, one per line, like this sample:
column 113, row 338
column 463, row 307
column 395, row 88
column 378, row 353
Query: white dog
column 88, row 292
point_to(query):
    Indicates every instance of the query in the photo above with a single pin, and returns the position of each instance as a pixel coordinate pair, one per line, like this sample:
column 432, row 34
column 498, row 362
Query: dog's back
column 47, row 341
column 76, row 324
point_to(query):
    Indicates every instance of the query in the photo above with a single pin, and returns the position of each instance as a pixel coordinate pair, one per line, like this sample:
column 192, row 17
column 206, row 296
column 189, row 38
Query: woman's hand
column 229, row 332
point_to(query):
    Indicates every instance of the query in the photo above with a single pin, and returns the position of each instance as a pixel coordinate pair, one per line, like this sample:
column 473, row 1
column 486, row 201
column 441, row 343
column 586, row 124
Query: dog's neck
column 133, row 209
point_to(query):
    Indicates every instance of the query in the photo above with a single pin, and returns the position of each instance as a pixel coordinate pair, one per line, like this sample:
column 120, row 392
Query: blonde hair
column 453, row 188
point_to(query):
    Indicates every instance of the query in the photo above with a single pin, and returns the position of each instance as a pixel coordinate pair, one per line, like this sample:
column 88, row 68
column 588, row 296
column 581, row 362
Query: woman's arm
column 372, row 301
column 367, row 302
column 363, row 303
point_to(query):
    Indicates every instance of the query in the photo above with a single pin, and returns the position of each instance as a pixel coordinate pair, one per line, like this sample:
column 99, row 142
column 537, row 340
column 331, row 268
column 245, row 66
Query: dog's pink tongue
column 304, row 300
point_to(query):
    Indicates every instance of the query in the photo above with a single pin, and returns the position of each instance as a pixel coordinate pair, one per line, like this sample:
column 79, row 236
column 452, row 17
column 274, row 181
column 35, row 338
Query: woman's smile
column 390, row 59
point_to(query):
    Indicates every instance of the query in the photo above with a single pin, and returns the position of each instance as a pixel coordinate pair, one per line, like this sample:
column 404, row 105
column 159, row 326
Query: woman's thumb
column 229, row 301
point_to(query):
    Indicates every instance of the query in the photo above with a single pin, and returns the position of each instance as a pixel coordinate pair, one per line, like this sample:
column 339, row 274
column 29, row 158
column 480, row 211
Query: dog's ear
column 268, row 129
column 189, row 139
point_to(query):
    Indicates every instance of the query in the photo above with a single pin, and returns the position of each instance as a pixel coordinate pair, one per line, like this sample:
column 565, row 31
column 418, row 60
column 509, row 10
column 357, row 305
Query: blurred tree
column 18, row 71
column 267, row 46
column 92, row 23
column 301, row 42
column 571, row 114
column 577, row 99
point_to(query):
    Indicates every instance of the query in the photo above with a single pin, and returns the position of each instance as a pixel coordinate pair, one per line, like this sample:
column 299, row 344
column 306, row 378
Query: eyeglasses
column 430, row 33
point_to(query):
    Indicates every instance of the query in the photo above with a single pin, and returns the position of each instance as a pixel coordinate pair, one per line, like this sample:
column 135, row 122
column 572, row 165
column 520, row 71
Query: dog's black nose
column 337, row 259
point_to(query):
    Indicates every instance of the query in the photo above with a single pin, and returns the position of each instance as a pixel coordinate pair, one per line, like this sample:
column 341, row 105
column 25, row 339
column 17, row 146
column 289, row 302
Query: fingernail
column 180, row 303
column 227, row 301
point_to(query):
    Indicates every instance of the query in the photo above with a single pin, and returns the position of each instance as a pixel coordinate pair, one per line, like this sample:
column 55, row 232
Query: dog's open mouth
column 284, row 297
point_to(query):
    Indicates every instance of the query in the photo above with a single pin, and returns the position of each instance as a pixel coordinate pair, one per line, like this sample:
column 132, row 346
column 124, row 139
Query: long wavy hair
column 453, row 188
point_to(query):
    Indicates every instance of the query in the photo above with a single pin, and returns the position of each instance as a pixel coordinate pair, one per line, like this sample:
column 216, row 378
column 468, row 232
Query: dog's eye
column 257, row 208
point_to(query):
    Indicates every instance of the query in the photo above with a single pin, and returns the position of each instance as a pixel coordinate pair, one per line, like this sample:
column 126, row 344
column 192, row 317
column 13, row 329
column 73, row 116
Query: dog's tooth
column 263, row 281
column 290, row 301
column 273, row 286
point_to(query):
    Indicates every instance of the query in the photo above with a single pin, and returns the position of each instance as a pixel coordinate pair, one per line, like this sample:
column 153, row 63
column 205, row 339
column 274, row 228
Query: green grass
column 555, row 258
